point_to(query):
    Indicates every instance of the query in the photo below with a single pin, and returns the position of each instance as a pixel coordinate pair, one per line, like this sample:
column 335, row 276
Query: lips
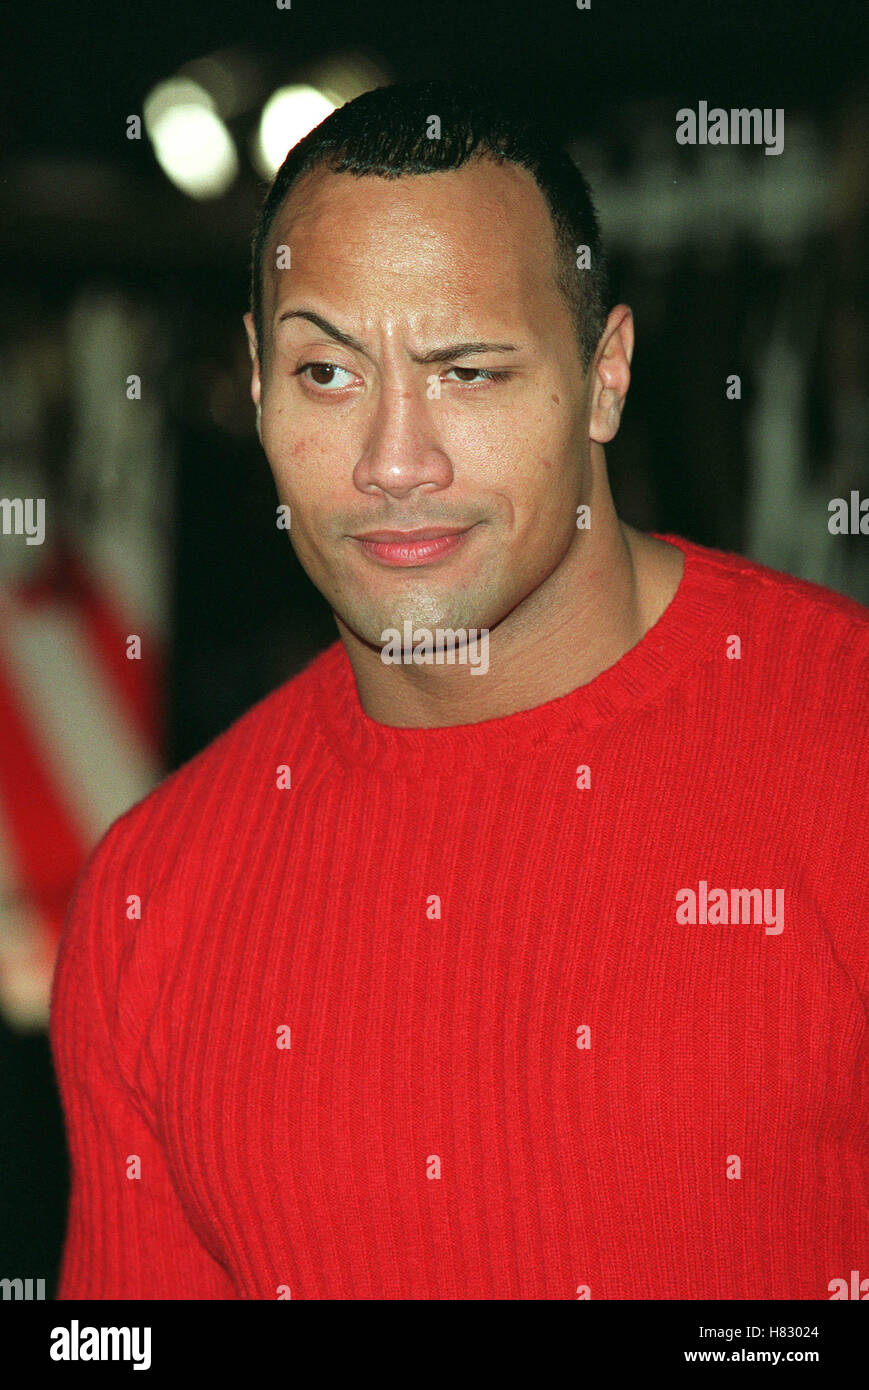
column 408, row 548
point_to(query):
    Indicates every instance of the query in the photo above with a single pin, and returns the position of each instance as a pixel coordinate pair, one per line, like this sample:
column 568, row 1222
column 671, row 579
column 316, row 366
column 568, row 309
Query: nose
column 402, row 449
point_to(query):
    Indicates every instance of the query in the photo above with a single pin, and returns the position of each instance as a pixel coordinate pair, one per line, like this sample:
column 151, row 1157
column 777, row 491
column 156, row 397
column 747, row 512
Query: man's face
column 368, row 438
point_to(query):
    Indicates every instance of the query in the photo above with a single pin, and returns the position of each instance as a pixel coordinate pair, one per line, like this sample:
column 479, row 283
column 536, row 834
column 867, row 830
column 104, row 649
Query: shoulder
column 800, row 686
column 223, row 783
column 147, row 879
column 809, row 634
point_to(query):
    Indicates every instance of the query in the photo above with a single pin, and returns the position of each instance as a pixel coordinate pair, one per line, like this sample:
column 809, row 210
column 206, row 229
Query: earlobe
column 606, row 416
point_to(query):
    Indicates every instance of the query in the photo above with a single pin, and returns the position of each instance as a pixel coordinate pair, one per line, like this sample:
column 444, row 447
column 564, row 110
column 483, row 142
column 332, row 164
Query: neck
column 610, row 588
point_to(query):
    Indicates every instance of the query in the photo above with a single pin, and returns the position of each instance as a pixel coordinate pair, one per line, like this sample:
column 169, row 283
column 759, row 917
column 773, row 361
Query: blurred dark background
column 160, row 507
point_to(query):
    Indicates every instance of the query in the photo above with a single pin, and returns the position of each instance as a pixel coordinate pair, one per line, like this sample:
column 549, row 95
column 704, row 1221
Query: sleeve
column 127, row 1237
column 840, row 832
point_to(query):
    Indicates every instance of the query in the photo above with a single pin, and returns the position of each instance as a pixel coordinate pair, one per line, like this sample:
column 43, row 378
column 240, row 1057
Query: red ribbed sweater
column 431, row 1023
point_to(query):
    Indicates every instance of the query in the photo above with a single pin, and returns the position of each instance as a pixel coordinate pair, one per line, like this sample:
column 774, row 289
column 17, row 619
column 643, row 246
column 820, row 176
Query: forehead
column 480, row 236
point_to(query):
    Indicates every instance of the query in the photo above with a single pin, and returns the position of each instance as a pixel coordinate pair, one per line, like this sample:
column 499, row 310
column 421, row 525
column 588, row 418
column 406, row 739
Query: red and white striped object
column 80, row 742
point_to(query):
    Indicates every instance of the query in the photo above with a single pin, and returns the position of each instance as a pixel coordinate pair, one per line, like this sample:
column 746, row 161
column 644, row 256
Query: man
column 530, row 961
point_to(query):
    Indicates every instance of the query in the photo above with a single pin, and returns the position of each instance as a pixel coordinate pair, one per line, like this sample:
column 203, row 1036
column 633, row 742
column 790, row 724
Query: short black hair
column 385, row 132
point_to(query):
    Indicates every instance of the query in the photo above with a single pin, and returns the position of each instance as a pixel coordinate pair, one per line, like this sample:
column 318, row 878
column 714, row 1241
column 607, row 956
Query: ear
column 255, row 379
column 611, row 371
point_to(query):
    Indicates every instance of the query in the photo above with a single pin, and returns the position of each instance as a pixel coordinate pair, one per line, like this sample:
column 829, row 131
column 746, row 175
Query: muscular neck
column 610, row 588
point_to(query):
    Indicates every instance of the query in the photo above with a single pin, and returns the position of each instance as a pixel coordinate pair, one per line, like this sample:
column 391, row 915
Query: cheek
column 286, row 450
column 302, row 472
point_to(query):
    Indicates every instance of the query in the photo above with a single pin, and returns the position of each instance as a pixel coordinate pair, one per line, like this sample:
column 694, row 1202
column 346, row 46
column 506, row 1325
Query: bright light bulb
column 288, row 115
column 192, row 145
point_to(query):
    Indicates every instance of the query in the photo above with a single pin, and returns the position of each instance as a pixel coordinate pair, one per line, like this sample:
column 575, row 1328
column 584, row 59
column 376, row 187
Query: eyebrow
column 444, row 354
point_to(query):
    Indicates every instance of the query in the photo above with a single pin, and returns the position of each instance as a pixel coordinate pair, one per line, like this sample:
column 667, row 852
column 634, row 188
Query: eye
column 323, row 369
column 487, row 374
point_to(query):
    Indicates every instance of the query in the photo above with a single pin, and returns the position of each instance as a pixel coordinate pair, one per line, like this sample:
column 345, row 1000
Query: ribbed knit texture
column 434, row 919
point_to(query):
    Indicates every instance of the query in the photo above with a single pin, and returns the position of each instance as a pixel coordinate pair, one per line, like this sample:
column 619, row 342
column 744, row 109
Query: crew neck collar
column 694, row 618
